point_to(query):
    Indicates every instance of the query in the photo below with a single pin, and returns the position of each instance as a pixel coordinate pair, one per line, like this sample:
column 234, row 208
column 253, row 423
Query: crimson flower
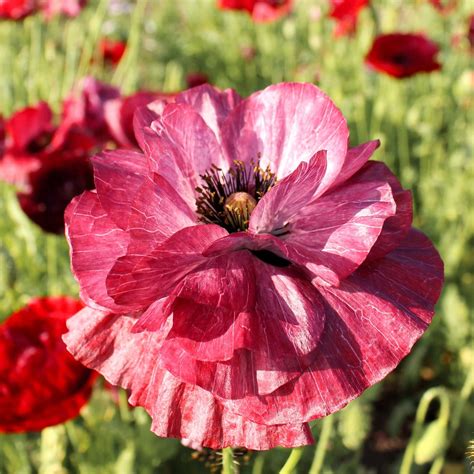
column 40, row 383
column 403, row 54
column 346, row 12
column 470, row 33
column 260, row 10
column 247, row 272
column 69, row 8
column 16, row 9
column 194, row 79
column 50, row 163
column 112, row 50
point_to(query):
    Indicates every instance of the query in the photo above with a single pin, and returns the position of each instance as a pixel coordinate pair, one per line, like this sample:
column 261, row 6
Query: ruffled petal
column 356, row 158
column 284, row 125
column 181, row 147
column 332, row 235
column 106, row 343
column 118, row 175
column 141, row 277
column 288, row 196
column 96, row 242
column 372, row 321
column 281, row 331
column 212, row 105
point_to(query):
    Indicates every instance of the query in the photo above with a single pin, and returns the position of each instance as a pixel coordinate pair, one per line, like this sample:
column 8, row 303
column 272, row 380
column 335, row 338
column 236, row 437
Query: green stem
column 258, row 464
column 428, row 397
column 322, row 445
column 292, row 461
column 227, row 461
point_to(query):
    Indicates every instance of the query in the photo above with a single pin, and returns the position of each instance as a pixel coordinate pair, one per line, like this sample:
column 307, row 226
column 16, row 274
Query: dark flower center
column 228, row 199
column 39, row 143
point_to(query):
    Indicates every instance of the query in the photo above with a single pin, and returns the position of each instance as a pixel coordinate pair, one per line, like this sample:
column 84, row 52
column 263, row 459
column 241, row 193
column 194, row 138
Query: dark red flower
column 444, row 6
column 248, row 272
column 112, row 50
column 260, row 10
column 403, row 54
column 346, row 12
column 194, row 79
column 40, row 383
column 119, row 114
column 86, row 106
column 16, row 9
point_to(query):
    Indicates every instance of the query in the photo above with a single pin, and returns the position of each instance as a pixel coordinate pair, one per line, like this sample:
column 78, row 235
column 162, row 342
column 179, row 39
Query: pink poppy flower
column 403, row 55
column 40, row 383
column 260, row 10
column 444, row 6
column 346, row 12
column 69, row 8
column 248, row 272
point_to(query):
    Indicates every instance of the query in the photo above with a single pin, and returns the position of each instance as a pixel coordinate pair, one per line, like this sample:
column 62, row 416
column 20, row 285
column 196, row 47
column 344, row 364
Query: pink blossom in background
column 247, row 271
column 260, row 10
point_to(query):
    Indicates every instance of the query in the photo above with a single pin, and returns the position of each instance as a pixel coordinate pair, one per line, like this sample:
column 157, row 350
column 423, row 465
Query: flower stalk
column 228, row 461
column 321, row 448
column 292, row 461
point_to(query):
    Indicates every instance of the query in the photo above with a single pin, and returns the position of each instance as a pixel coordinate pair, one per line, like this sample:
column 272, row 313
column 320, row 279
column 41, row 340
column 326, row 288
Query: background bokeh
column 425, row 126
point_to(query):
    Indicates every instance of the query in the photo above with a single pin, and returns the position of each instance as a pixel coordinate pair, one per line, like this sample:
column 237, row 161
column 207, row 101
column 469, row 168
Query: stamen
column 227, row 199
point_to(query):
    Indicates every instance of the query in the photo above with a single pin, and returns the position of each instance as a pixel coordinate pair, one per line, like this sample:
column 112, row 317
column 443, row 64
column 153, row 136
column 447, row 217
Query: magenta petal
column 284, row 125
column 288, row 196
column 157, row 212
column 96, row 243
column 105, row 343
column 281, row 336
column 118, row 176
column 372, row 321
column 181, row 147
column 356, row 158
column 143, row 276
column 212, row 104
column 332, row 235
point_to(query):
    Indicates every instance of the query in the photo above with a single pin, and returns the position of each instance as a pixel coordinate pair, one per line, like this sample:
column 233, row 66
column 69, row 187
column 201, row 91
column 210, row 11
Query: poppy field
column 236, row 236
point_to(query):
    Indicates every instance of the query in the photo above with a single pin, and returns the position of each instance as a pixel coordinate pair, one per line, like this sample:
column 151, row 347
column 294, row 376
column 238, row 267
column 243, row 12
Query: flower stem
column 292, row 461
column 227, row 461
column 322, row 445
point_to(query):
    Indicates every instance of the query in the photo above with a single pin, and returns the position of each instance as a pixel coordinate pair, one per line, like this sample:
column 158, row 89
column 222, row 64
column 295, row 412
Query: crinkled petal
column 212, row 105
column 139, row 278
column 356, row 158
column 106, row 343
column 96, row 242
column 333, row 234
column 373, row 319
column 118, row 175
column 281, row 335
column 288, row 196
column 157, row 212
column 284, row 125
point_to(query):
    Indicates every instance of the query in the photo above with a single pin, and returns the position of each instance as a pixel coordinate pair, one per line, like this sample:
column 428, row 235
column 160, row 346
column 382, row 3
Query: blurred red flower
column 40, row 383
column 19, row 9
column 16, row 9
column 346, row 12
column 112, row 50
column 403, row 54
column 49, row 163
column 194, row 79
column 444, row 6
column 248, row 272
column 260, row 10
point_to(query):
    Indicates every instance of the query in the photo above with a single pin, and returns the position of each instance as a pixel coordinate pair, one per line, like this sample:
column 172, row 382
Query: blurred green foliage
column 423, row 123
